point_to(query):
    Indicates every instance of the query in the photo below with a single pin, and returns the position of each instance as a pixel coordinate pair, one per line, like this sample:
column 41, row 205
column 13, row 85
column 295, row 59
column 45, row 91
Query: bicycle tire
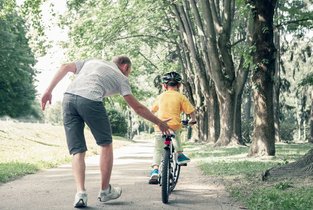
column 176, row 173
column 165, row 174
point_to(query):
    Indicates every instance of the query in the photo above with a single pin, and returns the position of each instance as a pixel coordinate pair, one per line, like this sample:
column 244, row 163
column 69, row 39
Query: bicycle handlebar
column 170, row 135
column 186, row 122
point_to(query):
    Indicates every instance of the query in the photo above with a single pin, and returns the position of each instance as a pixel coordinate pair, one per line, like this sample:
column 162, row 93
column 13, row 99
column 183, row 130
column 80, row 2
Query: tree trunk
column 130, row 134
column 247, row 116
column 277, row 86
column 214, row 117
column 197, row 69
column 264, row 132
column 227, row 117
column 311, row 120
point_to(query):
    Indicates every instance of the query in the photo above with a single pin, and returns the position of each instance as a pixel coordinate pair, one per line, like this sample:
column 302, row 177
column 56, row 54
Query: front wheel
column 176, row 173
column 165, row 174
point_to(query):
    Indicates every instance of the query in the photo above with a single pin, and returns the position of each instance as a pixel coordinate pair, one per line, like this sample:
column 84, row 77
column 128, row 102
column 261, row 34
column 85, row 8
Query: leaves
column 17, row 91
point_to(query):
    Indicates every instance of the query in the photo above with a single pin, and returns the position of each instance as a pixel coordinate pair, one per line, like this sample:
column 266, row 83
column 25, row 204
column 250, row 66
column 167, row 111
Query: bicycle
column 170, row 169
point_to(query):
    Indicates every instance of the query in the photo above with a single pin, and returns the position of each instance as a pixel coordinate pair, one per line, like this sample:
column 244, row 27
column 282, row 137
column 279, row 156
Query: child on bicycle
column 170, row 105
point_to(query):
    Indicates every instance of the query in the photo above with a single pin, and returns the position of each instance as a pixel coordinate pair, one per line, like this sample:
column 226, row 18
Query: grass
column 242, row 176
column 26, row 148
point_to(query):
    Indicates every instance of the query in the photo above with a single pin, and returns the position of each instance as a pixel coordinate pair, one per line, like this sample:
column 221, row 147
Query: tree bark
column 264, row 133
column 300, row 168
column 277, row 85
column 311, row 120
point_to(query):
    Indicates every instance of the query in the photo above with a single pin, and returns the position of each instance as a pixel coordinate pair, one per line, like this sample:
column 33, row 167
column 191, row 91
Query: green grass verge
column 9, row 171
column 26, row 148
column 242, row 176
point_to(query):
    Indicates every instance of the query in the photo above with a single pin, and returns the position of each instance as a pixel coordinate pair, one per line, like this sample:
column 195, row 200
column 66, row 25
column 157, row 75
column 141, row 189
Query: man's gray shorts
column 76, row 112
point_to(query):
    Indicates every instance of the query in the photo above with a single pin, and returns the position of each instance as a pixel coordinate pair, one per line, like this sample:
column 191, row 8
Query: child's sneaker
column 154, row 177
column 182, row 159
column 114, row 193
column 80, row 200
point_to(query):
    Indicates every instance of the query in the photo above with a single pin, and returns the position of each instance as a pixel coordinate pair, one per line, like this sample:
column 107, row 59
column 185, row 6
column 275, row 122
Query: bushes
column 118, row 122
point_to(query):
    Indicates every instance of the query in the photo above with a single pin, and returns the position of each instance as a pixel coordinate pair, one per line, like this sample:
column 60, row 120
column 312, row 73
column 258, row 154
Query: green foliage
column 12, row 170
column 282, row 185
column 242, row 176
column 276, row 199
column 209, row 151
column 118, row 122
column 28, row 147
column 287, row 125
column 17, row 90
column 247, row 129
column 139, row 29
column 53, row 114
column 233, row 168
column 296, row 16
column 31, row 12
column 307, row 80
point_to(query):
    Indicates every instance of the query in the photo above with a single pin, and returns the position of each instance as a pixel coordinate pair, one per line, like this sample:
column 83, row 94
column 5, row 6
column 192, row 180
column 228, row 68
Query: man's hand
column 164, row 127
column 47, row 96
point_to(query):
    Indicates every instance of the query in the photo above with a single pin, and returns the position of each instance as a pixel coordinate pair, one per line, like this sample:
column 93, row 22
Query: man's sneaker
column 80, row 200
column 154, row 177
column 182, row 159
column 114, row 193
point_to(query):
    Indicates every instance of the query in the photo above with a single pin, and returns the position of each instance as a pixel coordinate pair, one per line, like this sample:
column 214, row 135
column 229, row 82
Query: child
column 169, row 105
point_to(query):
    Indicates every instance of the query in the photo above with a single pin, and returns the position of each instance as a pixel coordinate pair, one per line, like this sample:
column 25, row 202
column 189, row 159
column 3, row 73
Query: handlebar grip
column 186, row 122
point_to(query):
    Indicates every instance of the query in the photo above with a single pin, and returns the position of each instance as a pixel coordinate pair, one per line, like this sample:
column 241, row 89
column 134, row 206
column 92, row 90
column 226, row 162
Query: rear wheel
column 165, row 180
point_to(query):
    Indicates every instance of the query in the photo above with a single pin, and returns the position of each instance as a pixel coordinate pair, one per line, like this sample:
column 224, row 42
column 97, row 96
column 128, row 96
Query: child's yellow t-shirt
column 170, row 104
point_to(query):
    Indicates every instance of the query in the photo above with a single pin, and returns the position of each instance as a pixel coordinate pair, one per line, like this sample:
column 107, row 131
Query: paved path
column 54, row 188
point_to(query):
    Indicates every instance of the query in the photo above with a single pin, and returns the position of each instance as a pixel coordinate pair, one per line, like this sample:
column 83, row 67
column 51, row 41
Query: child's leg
column 177, row 142
column 181, row 158
column 157, row 154
column 158, row 149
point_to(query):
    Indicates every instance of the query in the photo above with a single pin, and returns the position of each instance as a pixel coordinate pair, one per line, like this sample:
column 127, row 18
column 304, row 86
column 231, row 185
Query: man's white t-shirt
column 97, row 79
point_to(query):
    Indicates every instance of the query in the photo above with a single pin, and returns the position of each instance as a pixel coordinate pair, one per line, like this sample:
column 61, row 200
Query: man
column 82, row 103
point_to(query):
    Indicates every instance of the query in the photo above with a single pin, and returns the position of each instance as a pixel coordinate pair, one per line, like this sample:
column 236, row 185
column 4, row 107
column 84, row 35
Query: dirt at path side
column 54, row 188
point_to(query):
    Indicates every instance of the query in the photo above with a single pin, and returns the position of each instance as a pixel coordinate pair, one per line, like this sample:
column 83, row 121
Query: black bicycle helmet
column 171, row 78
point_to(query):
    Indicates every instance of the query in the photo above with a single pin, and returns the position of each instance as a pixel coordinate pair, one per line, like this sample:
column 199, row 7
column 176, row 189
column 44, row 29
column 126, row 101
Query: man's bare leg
column 79, row 167
column 106, row 163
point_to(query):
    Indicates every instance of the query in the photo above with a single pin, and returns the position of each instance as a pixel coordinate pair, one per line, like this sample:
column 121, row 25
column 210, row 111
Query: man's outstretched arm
column 64, row 69
column 145, row 113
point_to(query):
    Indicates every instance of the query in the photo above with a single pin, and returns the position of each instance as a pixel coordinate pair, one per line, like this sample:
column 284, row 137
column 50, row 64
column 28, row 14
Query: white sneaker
column 80, row 200
column 114, row 193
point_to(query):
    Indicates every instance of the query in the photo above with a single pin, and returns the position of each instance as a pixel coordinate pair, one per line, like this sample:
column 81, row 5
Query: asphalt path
column 55, row 189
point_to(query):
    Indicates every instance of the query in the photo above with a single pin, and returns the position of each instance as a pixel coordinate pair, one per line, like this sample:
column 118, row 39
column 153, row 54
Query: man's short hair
column 121, row 59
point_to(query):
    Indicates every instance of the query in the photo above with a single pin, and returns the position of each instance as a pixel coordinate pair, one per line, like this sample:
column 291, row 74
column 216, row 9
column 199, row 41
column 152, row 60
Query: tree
column 292, row 19
column 134, row 28
column 17, row 90
column 264, row 59
column 53, row 114
column 300, row 62
column 207, row 52
column 209, row 42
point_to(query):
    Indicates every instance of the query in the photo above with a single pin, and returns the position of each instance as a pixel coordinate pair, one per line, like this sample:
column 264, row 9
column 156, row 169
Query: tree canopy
column 17, row 90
